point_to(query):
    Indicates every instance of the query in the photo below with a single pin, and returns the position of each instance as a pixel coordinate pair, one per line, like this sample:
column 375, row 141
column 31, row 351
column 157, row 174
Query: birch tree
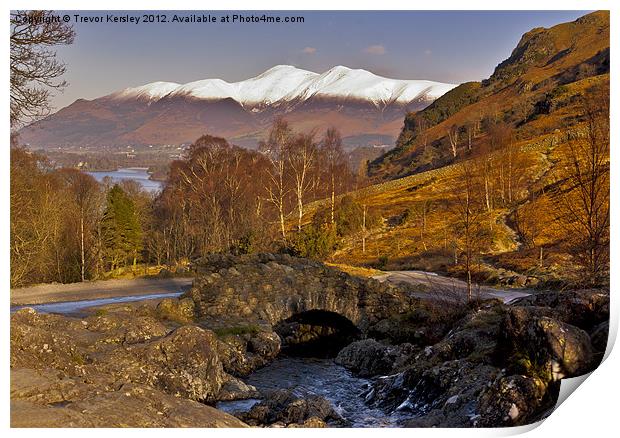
column 301, row 157
column 277, row 187
column 335, row 163
column 467, row 217
column 453, row 137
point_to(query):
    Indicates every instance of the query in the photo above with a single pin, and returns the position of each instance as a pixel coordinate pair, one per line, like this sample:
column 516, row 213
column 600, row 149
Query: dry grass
column 357, row 271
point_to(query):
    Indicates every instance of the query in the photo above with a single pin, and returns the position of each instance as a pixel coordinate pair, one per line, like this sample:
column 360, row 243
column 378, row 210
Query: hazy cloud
column 428, row 52
column 375, row 49
column 309, row 50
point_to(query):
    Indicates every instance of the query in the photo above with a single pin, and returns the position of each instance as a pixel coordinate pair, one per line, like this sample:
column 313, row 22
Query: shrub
column 382, row 262
column 315, row 241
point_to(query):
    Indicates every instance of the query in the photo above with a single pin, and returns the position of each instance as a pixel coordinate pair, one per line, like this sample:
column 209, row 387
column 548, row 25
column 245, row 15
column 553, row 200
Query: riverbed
column 312, row 376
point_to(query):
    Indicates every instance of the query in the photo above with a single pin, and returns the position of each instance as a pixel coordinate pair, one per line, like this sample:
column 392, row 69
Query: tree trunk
column 82, row 257
column 300, row 213
column 469, row 294
column 540, row 259
column 282, row 229
column 364, row 230
column 333, row 198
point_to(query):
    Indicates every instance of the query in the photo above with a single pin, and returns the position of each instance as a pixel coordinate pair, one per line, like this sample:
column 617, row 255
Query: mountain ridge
column 286, row 83
column 362, row 105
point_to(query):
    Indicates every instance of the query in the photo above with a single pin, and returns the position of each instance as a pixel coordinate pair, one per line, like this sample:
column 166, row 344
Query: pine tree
column 122, row 233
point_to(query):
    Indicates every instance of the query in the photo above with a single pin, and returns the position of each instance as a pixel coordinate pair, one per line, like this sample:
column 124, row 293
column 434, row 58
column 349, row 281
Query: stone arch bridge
column 271, row 288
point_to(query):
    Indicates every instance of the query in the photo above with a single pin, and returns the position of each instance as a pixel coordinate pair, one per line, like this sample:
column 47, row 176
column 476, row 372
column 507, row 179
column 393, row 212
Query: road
column 94, row 290
column 447, row 287
column 439, row 286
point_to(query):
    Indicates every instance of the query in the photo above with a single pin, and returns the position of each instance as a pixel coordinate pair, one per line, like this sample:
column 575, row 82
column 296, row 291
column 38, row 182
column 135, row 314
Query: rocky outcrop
column 582, row 308
column 283, row 408
column 119, row 367
column 43, row 399
column 184, row 363
column 499, row 365
column 272, row 288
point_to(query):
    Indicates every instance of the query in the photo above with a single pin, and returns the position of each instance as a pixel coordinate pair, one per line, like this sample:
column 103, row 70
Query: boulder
column 185, row 363
column 550, row 348
column 312, row 422
column 242, row 354
column 235, row 389
column 174, row 309
column 367, row 358
column 284, row 407
column 512, row 401
column 265, row 344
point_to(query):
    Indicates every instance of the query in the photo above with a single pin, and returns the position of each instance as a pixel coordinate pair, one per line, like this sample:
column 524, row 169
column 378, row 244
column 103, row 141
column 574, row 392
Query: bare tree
column 584, row 202
column 453, row 136
column 422, row 209
column 336, row 164
column 468, row 211
column 34, row 67
column 87, row 196
column 276, row 149
column 301, row 156
column 470, row 129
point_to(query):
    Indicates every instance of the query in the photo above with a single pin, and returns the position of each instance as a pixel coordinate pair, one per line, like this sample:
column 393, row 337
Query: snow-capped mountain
column 285, row 83
column 365, row 107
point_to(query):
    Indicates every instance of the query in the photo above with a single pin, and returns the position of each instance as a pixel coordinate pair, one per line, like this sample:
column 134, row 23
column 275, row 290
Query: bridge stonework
column 271, row 288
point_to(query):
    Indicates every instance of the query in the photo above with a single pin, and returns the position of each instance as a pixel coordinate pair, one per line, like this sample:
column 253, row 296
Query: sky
column 443, row 46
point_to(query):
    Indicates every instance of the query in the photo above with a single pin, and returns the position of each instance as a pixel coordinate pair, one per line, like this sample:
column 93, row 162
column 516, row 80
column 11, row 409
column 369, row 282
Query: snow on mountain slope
column 152, row 91
column 285, row 83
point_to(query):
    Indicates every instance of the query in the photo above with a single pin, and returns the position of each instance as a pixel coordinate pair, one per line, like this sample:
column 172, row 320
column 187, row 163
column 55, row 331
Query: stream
column 311, row 376
column 305, row 376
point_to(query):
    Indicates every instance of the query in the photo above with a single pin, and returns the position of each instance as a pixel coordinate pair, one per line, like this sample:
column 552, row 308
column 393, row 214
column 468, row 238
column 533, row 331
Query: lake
column 138, row 174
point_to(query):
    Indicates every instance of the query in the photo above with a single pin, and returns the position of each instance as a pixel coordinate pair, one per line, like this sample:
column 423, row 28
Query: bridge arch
column 316, row 333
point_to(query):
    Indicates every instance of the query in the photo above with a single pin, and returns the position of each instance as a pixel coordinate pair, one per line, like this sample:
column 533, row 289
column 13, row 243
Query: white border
column 590, row 411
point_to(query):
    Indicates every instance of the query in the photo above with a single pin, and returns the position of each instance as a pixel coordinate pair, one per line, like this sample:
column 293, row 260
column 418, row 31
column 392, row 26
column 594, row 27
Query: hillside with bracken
column 505, row 180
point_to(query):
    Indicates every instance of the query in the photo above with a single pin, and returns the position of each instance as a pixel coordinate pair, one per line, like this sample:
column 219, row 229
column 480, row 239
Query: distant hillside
column 532, row 91
column 366, row 108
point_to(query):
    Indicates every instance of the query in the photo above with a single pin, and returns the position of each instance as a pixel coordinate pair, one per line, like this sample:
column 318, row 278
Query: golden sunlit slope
column 523, row 92
column 514, row 133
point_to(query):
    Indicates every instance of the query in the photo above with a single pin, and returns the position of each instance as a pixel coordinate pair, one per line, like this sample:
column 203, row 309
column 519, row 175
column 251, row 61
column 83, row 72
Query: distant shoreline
column 145, row 169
